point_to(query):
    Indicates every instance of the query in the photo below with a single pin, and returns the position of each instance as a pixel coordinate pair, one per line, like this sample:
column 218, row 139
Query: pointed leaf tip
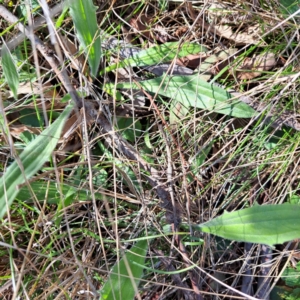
column 263, row 224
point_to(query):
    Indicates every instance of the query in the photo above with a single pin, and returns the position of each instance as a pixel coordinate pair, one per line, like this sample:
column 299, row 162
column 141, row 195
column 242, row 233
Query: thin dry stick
column 176, row 278
column 247, row 282
column 39, row 22
column 184, row 254
column 264, row 280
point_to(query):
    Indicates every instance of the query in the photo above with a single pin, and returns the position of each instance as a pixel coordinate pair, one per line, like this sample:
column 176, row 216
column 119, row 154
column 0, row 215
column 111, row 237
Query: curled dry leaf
column 248, row 68
column 71, row 136
column 139, row 27
column 16, row 130
column 249, row 36
column 74, row 122
column 77, row 61
column 155, row 32
column 180, row 31
column 33, row 88
column 191, row 61
column 253, row 67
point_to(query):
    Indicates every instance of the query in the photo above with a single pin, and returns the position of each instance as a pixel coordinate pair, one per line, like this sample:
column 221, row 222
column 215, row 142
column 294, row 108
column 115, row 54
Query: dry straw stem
column 18, row 38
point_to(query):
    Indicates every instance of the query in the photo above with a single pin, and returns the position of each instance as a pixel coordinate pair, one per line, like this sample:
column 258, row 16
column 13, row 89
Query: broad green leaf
column 266, row 224
column 120, row 282
column 65, row 202
column 31, row 117
column 158, row 54
column 127, row 175
column 10, row 70
column 198, row 160
column 48, row 191
column 192, row 92
column 32, row 159
column 291, row 276
column 83, row 13
column 289, row 6
column 130, row 128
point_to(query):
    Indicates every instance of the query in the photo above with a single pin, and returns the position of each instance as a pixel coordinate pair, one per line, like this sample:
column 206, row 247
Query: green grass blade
column 119, row 284
column 61, row 18
column 10, row 70
column 83, row 13
column 32, row 159
column 158, row 54
column 193, row 92
column 266, row 224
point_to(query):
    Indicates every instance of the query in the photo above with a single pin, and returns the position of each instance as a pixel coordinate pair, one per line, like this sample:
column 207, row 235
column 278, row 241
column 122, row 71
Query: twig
column 176, row 278
column 264, row 280
column 38, row 22
column 183, row 252
column 247, row 283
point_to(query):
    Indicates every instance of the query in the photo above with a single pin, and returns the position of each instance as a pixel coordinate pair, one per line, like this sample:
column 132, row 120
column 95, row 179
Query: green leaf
column 65, row 202
column 48, row 191
column 61, row 18
column 291, row 276
column 130, row 128
column 83, row 13
column 10, row 70
column 193, row 92
column 30, row 117
column 32, row 159
column 27, row 137
column 158, row 54
column 289, row 6
column 120, row 282
column 266, row 224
